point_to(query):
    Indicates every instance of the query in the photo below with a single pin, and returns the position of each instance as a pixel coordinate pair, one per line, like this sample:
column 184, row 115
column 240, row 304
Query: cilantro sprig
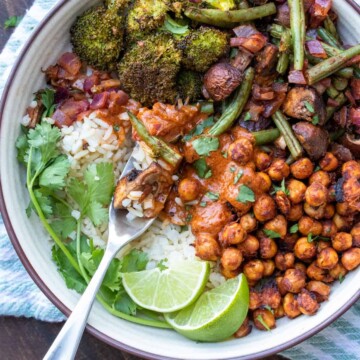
column 12, row 21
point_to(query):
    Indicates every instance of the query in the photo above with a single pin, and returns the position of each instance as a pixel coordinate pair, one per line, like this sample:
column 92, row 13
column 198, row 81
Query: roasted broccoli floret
column 221, row 4
column 97, row 36
column 149, row 68
column 202, row 48
column 189, row 85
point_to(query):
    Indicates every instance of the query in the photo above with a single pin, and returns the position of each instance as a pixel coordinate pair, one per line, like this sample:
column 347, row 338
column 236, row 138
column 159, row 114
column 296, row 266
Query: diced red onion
column 296, row 77
column 245, row 31
column 315, row 48
column 283, row 15
column 61, row 94
column 280, row 87
column 322, row 85
column 242, row 59
column 99, row 101
column 91, row 81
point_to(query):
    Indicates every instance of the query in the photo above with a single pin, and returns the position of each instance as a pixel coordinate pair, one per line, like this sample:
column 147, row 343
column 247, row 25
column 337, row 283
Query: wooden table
column 29, row 339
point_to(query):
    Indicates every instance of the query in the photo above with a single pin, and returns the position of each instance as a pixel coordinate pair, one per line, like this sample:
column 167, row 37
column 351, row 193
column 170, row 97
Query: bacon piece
column 315, row 48
column 354, row 116
column 322, row 85
column 253, row 43
column 349, row 96
column 99, row 101
column 318, row 12
column 355, row 88
column 242, row 59
column 341, row 116
column 70, row 62
column 274, row 105
column 72, row 108
column 61, row 119
column 262, row 93
column 91, row 81
column 117, row 100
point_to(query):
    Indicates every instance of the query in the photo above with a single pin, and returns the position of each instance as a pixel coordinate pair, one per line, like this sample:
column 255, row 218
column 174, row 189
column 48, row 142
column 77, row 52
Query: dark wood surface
column 29, row 339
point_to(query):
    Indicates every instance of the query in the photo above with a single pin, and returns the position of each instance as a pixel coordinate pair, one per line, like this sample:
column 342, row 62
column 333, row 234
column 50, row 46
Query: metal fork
column 121, row 232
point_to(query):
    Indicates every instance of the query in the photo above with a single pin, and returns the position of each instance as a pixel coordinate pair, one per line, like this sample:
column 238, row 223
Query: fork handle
column 67, row 342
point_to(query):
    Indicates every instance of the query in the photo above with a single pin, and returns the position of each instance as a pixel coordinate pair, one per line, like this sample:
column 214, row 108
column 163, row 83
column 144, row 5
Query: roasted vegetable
column 189, row 84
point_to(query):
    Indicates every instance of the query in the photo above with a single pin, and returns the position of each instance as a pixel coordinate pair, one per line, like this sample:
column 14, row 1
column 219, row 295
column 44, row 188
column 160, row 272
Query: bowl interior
column 49, row 41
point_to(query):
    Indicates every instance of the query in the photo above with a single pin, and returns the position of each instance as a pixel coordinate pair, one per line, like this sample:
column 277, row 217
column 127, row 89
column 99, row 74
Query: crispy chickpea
column 308, row 225
column 300, row 266
column 293, row 281
column 261, row 316
column 342, row 241
column 284, row 261
column 314, row 272
column 342, row 223
column 338, row 271
column 329, row 162
column 279, row 312
column 188, row 189
column 248, row 222
column 278, row 170
column 331, row 193
column 244, row 329
column 254, row 270
column 327, row 258
column 270, row 295
column 229, row 274
column 296, row 212
column 316, row 194
column 304, row 250
column 206, row 246
column 262, row 160
column 278, row 224
column 302, row 169
column 291, row 306
column 232, row 234
column 263, row 182
column 288, row 243
column 296, row 191
column 344, row 209
column 282, row 289
column 320, row 245
column 307, row 302
column 316, row 212
column 268, row 248
column 269, row 267
column 231, row 258
column 241, row 151
column 320, row 289
column 282, row 202
column 351, row 169
column 249, row 246
column 254, row 299
column 351, row 259
column 321, row 177
column 355, row 233
column 329, row 211
column 264, row 208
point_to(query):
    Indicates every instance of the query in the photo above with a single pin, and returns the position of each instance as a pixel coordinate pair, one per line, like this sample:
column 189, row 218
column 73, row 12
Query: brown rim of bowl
column 66, row 310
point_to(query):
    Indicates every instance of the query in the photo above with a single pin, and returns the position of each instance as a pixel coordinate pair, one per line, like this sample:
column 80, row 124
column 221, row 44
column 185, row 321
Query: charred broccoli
column 189, row 85
column 97, row 36
column 149, row 68
column 203, row 47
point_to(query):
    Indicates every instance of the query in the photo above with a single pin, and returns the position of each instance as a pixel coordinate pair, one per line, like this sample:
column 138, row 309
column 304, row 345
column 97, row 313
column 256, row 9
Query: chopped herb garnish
column 315, row 120
column 212, row 195
column 12, row 21
column 238, row 176
column 202, row 169
column 188, row 218
column 204, row 145
column 247, row 116
column 341, row 278
column 203, row 203
column 161, row 264
column 224, row 154
column 271, row 234
column 267, row 307
column 294, row 229
column 199, row 128
column 262, row 322
column 309, row 106
column 282, row 188
column 232, row 169
column 245, row 194
column 310, row 238
column 48, row 98
column 317, row 168
column 116, row 128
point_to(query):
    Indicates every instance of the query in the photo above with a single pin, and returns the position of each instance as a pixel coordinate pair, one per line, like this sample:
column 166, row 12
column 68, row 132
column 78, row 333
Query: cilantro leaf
column 54, row 175
column 245, row 194
column 212, row 195
column 199, row 129
column 294, row 229
column 97, row 213
column 341, row 278
column 22, row 147
column 44, row 202
column 310, row 238
column 12, row 21
column 135, row 260
column 247, row 116
column 124, row 303
column 79, row 193
column 161, row 264
column 48, row 98
column 202, row 169
column 315, row 120
column 64, row 223
column 202, row 203
column 262, row 322
column 238, row 176
column 282, row 188
column 271, row 234
column 204, row 145
column 309, row 106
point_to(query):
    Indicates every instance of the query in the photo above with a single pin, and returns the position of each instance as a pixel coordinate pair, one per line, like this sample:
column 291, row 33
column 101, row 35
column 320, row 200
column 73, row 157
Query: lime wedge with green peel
column 170, row 289
column 216, row 315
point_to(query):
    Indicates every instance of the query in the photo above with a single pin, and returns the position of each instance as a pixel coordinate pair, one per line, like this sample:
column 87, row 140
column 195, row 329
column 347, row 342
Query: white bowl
column 32, row 244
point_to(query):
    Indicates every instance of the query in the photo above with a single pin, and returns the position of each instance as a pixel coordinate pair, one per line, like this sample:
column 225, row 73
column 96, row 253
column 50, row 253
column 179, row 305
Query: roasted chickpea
column 262, row 160
column 320, row 245
column 261, row 316
column 308, row 225
column 338, row 271
column 206, row 247
column 244, row 329
column 329, row 162
column 254, row 299
column 268, row 248
column 241, row 151
column 294, row 280
column 248, row 222
column 327, row 258
column 229, row 274
column 264, row 208
column 351, row 169
column 302, row 169
column 254, row 270
column 307, row 302
column 342, row 241
column 263, row 182
column 231, row 258
column 355, row 233
column 314, row 272
column 288, row 243
column 351, row 258
column 344, row 209
column 320, row 289
column 232, row 234
column 284, row 261
column 329, row 211
column 342, row 223
column 279, row 312
column 278, row 224
column 296, row 191
column 249, row 246
column 291, row 306
column 269, row 267
column 316, row 194
column 282, row 289
column 296, row 212
column 278, row 170
column 316, row 212
column 270, row 295
column 282, row 202
column 188, row 189
column 331, row 193
column 321, row 177
column 300, row 266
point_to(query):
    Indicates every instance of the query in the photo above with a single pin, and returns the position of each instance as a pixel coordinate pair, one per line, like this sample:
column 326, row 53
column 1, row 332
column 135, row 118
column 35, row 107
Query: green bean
column 228, row 18
column 285, row 129
column 236, row 106
column 331, row 65
column 207, row 107
column 266, row 136
column 283, row 63
column 297, row 24
column 328, row 38
column 331, row 28
column 337, row 134
column 332, row 92
column 340, row 83
column 157, row 146
column 330, row 110
column 285, row 40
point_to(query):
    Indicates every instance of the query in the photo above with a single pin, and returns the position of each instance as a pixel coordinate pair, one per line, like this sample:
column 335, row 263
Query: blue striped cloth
column 19, row 296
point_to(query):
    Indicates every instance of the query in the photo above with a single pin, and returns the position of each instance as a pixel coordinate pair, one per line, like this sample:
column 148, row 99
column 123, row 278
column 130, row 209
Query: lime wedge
column 167, row 290
column 216, row 315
